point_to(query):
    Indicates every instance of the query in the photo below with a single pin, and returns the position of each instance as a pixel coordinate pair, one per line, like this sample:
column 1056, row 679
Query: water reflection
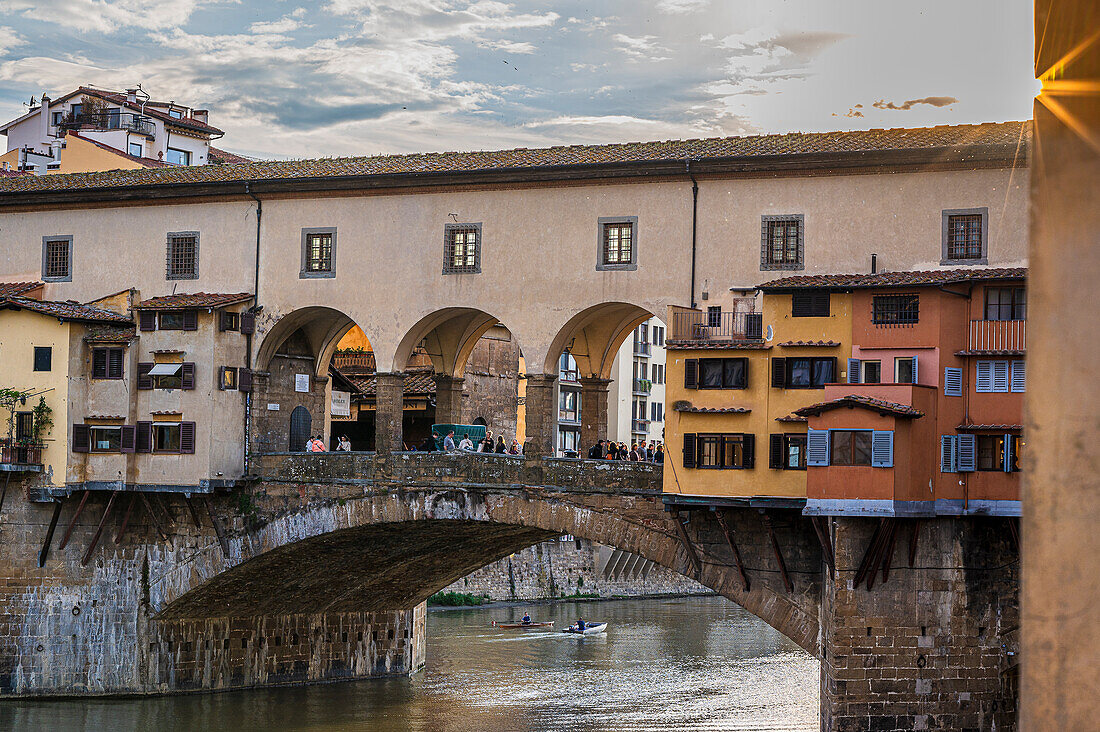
column 683, row 664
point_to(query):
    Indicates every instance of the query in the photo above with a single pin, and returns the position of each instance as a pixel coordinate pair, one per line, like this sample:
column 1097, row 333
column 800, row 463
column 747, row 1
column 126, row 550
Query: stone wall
column 491, row 386
column 556, row 569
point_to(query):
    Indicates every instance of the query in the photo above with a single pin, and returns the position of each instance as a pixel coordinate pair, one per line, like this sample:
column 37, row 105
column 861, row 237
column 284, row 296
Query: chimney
column 201, row 115
column 874, row 264
column 44, row 116
column 131, row 96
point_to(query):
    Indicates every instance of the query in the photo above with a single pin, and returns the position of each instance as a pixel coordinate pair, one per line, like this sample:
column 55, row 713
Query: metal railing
column 642, row 348
column 110, row 121
column 642, row 386
column 639, row 425
column 21, row 453
column 571, row 376
column 699, row 326
column 354, row 361
column 998, row 335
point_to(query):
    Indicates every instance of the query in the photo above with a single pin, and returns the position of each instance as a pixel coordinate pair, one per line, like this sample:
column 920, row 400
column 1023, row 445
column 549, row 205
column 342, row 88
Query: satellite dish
column 771, row 333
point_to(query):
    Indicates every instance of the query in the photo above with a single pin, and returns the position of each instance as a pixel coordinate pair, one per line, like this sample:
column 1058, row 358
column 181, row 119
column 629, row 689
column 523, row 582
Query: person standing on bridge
column 466, row 444
column 486, row 444
column 501, row 447
column 597, row 451
column 659, row 456
column 449, row 442
column 344, row 444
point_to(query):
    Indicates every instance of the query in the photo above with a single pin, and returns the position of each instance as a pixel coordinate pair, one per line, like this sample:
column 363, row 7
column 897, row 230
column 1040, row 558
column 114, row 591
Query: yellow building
column 735, row 379
column 79, row 154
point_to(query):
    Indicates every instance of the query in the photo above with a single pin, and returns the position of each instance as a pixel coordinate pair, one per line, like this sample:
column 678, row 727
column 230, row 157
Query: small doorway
column 300, row 424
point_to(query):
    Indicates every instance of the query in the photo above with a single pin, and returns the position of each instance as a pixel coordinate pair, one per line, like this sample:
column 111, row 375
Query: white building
column 128, row 122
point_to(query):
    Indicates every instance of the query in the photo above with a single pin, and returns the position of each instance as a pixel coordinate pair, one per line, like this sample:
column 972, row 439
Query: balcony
column 110, row 121
column 639, row 426
column 21, row 456
column 642, row 386
column 642, row 348
column 696, row 326
column 997, row 335
column 569, row 376
column 354, row 363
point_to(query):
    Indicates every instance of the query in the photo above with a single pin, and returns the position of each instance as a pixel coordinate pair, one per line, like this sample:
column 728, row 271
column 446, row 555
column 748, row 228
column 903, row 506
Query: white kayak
column 589, row 629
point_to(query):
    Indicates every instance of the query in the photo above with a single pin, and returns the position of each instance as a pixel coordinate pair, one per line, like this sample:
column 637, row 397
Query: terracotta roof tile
column 193, row 300
column 791, row 418
column 716, row 346
column 64, row 310
column 1002, row 352
column 417, row 382
column 218, row 156
column 120, row 99
column 110, row 334
column 990, row 427
column 9, row 173
column 808, row 344
column 925, row 278
column 957, row 138
column 864, row 402
column 9, row 289
column 713, row 410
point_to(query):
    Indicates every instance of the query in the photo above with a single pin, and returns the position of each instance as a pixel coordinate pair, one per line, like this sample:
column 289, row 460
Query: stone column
column 593, row 412
column 542, row 415
column 448, row 399
column 389, row 411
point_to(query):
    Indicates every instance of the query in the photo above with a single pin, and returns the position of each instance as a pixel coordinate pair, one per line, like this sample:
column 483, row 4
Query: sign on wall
column 301, row 382
column 341, row 404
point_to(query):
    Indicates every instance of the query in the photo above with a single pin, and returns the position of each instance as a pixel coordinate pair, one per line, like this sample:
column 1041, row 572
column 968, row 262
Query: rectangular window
column 850, row 447
column 462, row 249
column 905, row 370
column 714, row 316
column 106, row 439
column 568, row 440
column 1005, row 303
column 809, row 373
column 57, row 259
column 787, row 452
column 810, row 304
column 43, row 358
column 872, row 372
column 58, row 117
column 964, row 236
column 107, row 363
column 166, row 437
column 990, row 452
column 781, row 245
column 318, row 250
column 183, row 256
column 229, row 321
column 227, row 379
column 175, row 113
column 895, row 309
column 136, row 149
column 618, row 243
column 167, row 376
column 178, row 157
column 724, row 451
column 723, row 373
column 24, row 426
column 568, row 408
column 178, row 319
column 1000, row 377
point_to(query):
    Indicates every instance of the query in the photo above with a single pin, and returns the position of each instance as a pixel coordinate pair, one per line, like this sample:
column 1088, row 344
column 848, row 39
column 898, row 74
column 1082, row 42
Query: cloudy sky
column 290, row 78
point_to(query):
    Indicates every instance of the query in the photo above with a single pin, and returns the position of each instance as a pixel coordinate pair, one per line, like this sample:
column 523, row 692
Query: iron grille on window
column 892, row 309
column 183, row 257
column 782, row 242
column 964, row 236
column 618, row 242
column 463, row 251
column 57, row 258
column 319, row 252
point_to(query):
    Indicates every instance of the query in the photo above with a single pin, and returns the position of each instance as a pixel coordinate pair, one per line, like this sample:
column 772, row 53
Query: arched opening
column 301, row 423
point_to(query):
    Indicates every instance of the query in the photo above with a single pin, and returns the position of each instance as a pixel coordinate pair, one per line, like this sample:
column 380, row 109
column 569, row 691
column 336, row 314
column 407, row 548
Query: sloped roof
column 64, row 310
column 808, row 344
column 713, row 410
column 863, row 402
column 217, row 156
column 145, row 162
column 416, row 382
column 957, row 142
column 120, row 99
column 990, row 427
column 193, row 300
column 922, row 278
column 9, row 289
column 110, row 333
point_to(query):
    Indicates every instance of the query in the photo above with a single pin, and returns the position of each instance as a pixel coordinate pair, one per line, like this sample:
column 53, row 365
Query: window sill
column 475, row 270
column 796, row 267
column 617, row 267
column 963, row 262
column 181, row 277
column 69, row 278
column 306, row 275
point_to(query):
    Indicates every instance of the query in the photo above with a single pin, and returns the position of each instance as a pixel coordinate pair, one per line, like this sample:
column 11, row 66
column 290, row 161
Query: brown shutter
column 225, row 320
column 244, row 380
column 221, row 377
column 775, row 452
column 779, row 372
column 749, row 460
column 82, row 438
column 691, row 373
column 99, row 363
column 114, row 363
column 144, row 437
column 190, row 319
column 147, row 319
column 187, row 438
column 144, row 380
column 129, row 438
column 689, row 450
column 187, row 376
column 248, row 323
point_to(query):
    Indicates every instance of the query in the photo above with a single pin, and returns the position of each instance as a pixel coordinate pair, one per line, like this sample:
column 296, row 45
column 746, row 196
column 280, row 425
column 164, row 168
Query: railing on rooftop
column 642, row 386
column 17, row 454
column 998, row 335
column 351, row 362
column 694, row 325
column 640, row 426
column 111, row 121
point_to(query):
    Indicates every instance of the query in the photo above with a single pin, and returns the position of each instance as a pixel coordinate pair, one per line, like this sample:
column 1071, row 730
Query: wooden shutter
column 835, row 374
column 779, row 372
column 801, row 304
column 948, row 462
column 775, row 452
column 244, row 380
column 749, row 451
column 966, row 454
column 187, row 376
column 952, row 382
column 1007, row 454
column 99, row 363
column 853, row 370
column 983, row 378
column 114, row 363
column 1000, row 376
column 187, row 438
column 882, row 449
column 1019, row 377
column 916, row 378
column 820, row 304
column 228, row 321
column 143, row 441
column 144, row 380
column 817, row 448
column 147, row 320
column 248, row 323
column 689, row 450
column 128, row 440
column 82, row 438
column 190, row 319
column 221, row 376
column 691, row 373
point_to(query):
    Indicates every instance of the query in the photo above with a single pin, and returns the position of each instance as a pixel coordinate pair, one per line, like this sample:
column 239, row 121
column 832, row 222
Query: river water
column 698, row 663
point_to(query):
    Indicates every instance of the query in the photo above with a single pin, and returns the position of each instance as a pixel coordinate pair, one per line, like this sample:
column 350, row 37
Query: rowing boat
column 512, row 626
column 589, row 629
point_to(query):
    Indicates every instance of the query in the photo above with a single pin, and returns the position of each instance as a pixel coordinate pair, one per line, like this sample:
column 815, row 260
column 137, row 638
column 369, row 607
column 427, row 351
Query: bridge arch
column 593, row 337
column 448, row 336
column 320, row 329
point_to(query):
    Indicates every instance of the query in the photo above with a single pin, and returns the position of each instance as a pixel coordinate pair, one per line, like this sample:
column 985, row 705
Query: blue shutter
column 1008, row 454
column 952, row 382
column 1000, row 376
column 948, row 449
column 853, row 370
column 1019, row 376
column 916, row 378
column 983, row 381
column 882, row 449
column 817, row 448
column 967, row 454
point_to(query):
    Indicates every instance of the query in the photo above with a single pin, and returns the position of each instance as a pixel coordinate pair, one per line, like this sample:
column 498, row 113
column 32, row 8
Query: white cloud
column 640, row 48
column 108, row 16
column 510, row 46
column 285, row 24
column 9, row 39
column 679, row 7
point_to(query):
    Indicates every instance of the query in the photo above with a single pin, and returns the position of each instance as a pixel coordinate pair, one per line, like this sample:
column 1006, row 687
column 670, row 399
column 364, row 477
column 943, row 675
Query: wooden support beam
column 99, row 529
column 194, row 513
column 822, row 530
column 880, row 549
column 155, row 517
column 889, row 551
column 72, row 521
column 1014, row 532
column 778, row 554
column 736, row 553
column 913, row 542
column 45, row 551
column 217, row 525
column 126, row 518
column 4, row 493
column 689, row 548
column 869, row 555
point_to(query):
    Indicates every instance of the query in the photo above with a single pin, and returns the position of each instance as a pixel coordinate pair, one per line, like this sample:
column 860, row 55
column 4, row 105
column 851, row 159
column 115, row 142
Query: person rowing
column 526, row 619
column 580, row 625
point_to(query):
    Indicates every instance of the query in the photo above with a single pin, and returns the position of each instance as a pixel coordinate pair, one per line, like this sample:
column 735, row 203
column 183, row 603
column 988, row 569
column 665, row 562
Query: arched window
column 300, row 423
column 481, row 421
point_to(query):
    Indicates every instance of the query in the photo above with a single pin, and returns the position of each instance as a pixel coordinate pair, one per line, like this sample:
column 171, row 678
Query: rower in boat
column 526, row 618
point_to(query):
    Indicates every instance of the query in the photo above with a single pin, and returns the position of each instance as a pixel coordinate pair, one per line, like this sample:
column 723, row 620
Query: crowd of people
column 500, row 446
column 638, row 452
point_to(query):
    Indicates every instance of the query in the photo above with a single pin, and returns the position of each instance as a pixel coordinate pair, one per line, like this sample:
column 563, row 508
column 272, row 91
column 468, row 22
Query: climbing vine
column 43, row 419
